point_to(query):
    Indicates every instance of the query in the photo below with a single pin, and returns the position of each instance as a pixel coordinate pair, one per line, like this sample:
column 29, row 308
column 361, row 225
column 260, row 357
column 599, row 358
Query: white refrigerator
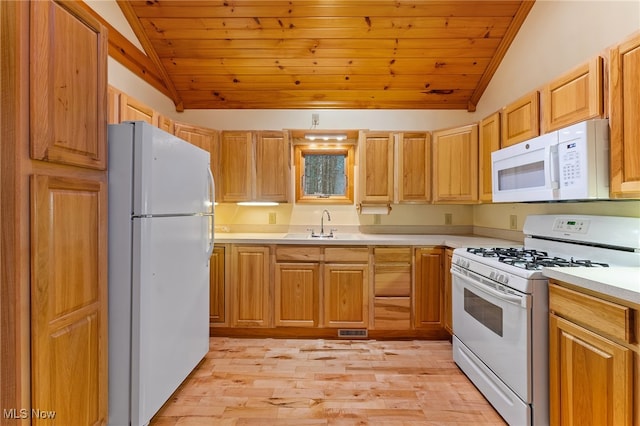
column 161, row 195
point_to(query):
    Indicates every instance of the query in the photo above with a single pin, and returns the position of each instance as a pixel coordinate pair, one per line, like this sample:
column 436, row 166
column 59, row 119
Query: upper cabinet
column 395, row 167
column 489, row 141
column 68, row 57
column 455, row 165
column 201, row 137
column 573, row 97
column 255, row 166
column 414, row 167
column 624, row 118
column 376, row 167
column 521, row 120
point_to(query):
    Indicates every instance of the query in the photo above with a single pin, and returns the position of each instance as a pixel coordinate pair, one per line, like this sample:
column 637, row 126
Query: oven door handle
column 475, row 280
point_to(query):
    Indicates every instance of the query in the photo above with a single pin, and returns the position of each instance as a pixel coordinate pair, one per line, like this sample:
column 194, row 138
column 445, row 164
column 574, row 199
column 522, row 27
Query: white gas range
column 500, row 304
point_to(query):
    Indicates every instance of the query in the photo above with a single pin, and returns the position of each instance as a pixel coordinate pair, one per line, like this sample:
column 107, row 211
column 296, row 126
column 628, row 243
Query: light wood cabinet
column 297, row 294
column 447, row 301
column 255, row 166
column 346, row 295
column 133, row 110
column 624, row 140
column 217, row 288
column 392, row 288
column 521, row 120
column 250, row 280
column 574, row 96
column 69, row 298
column 68, row 86
column 376, row 167
column 59, row 211
column 591, row 359
column 166, row 124
column 455, row 165
column 489, row 141
column 414, row 167
column 428, row 285
column 395, row 167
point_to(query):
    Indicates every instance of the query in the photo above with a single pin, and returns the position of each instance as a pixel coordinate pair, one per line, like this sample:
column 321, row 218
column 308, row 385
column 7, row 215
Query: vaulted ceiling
column 325, row 54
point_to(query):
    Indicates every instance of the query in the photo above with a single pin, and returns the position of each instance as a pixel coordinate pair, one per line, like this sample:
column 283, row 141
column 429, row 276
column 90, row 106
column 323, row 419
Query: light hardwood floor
column 327, row 382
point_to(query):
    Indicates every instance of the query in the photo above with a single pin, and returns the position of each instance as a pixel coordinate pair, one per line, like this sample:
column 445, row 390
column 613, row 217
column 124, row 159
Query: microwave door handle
column 552, row 157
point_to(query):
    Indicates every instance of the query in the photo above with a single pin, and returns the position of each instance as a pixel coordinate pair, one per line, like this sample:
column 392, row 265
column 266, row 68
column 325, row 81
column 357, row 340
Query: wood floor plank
column 326, row 382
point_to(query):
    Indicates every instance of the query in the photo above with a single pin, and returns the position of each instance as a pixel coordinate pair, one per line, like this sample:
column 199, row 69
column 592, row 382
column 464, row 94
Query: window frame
column 300, row 150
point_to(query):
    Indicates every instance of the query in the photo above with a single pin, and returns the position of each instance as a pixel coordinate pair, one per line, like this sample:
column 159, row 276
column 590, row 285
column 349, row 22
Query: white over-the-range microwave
column 567, row 164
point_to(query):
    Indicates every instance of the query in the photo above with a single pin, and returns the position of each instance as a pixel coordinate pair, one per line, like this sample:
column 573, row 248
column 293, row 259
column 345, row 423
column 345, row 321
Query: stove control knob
column 492, row 275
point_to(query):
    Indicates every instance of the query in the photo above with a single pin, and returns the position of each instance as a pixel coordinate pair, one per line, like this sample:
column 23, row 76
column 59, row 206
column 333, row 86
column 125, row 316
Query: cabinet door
column 251, row 286
column 69, row 299
column 447, row 301
column 296, row 294
column 113, row 105
column 346, row 297
column 590, row 377
column 428, row 288
column 236, row 166
column 376, row 167
column 273, row 166
column 217, row 286
column 166, row 124
column 455, row 165
column 521, row 120
column 624, row 119
column 574, row 96
column 133, row 110
column 68, row 85
column 489, row 141
column 414, row 167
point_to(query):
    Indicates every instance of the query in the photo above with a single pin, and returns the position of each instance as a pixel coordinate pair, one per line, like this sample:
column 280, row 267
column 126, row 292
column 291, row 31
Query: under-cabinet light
column 257, row 203
column 325, row 136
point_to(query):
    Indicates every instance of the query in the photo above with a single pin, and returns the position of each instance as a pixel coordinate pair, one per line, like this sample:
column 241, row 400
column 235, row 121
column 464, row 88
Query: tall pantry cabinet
column 54, row 227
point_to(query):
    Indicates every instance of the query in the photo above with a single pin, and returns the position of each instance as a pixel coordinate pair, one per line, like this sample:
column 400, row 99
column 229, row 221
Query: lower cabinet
column 591, row 360
column 297, row 294
column 391, row 291
column 428, row 285
column 447, row 305
column 345, row 295
column 251, row 286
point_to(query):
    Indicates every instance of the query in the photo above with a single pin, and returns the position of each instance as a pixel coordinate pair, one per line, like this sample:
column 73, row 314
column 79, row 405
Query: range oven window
column 485, row 312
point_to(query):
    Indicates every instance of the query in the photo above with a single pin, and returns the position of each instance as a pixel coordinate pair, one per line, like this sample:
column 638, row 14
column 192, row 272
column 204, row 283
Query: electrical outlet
column 513, row 221
column 448, row 218
column 272, row 218
column 315, row 119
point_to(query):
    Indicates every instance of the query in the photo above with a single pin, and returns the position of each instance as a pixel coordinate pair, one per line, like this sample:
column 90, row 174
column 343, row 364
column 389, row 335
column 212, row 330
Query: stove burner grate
column 531, row 259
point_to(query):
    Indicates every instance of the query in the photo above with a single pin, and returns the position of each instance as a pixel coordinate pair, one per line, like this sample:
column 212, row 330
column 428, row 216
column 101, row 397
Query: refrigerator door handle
column 212, row 199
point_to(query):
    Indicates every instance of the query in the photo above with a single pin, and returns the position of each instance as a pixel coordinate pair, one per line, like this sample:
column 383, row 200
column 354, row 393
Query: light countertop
column 454, row 241
column 620, row 282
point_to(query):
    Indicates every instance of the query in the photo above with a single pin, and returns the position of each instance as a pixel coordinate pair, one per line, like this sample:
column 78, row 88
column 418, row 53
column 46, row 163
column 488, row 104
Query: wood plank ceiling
column 326, row 54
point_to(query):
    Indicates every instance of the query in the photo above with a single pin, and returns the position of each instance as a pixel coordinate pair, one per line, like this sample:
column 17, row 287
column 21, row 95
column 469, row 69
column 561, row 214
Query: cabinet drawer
column 392, row 313
column 346, row 254
column 298, row 253
column 392, row 255
column 392, row 280
column 610, row 318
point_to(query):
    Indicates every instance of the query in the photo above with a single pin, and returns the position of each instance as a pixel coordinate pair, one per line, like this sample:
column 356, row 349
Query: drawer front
column 392, row 255
column 346, row 254
column 392, row 313
column 298, row 253
column 611, row 319
column 392, row 280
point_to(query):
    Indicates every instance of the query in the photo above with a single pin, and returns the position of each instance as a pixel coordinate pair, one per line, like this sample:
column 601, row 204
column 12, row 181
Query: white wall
column 556, row 36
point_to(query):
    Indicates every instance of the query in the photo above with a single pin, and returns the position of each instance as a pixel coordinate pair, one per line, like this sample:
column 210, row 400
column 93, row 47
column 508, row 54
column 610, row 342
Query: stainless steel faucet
column 322, row 220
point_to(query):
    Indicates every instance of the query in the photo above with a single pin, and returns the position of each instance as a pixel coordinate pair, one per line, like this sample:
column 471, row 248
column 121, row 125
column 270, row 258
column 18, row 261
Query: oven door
column 494, row 322
column 527, row 171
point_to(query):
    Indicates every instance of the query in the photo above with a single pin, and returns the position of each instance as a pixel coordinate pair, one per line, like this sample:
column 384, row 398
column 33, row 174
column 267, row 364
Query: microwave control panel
column 571, row 163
